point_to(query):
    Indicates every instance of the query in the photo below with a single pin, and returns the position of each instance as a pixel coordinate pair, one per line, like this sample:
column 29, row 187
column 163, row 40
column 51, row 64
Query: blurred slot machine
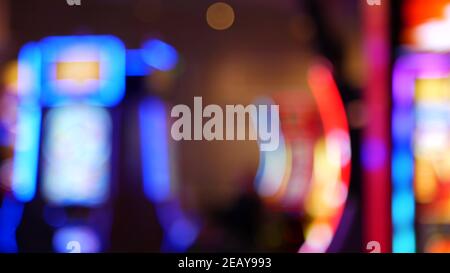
column 309, row 174
column 421, row 170
column 69, row 84
column 421, row 132
column 64, row 152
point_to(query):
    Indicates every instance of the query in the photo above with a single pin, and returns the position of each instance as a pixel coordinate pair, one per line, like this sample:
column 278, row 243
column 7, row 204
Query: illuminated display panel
column 432, row 162
column 420, row 168
column 76, row 155
column 86, row 68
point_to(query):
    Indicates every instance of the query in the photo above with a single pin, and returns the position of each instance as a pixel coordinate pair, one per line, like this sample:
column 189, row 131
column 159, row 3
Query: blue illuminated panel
column 26, row 152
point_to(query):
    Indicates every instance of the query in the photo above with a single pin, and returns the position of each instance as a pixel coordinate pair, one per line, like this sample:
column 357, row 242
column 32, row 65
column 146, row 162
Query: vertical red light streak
column 376, row 181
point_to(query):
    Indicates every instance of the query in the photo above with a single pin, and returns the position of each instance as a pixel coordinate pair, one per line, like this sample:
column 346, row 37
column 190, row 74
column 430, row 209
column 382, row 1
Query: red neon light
column 376, row 183
column 334, row 118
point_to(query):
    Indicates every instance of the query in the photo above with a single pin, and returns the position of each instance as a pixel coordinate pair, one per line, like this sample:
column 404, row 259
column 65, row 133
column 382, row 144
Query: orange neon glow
column 78, row 71
column 418, row 12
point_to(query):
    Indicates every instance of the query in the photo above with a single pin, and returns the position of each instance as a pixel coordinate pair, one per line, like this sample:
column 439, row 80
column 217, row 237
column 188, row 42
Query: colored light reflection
column 220, row 16
column 429, row 35
column 155, row 150
column 376, row 196
column 29, row 76
column 76, row 239
column 26, row 153
column 86, row 68
column 159, row 55
column 78, row 71
column 10, row 216
column 77, row 149
column 271, row 177
column 325, row 202
column 136, row 66
column 422, row 94
column 9, row 77
column 424, row 24
column 373, row 154
column 274, row 167
column 326, row 193
column 180, row 230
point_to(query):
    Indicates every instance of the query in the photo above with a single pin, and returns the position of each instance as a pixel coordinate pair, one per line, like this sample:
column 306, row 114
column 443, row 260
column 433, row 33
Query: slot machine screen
column 76, row 152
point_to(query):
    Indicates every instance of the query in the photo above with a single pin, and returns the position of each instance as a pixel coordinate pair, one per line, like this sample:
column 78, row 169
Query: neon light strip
column 333, row 116
column 26, row 150
column 406, row 71
column 180, row 230
column 26, row 153
column 155, row 150
column 331, row 107
column 376, row 136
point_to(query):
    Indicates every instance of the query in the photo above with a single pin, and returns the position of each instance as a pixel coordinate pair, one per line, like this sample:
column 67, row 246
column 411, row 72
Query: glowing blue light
column 182, row 234
column 404, row 241
column 10, row 217
column 106, row 53
column 403, row 200
column 155, row 150
column 76, row 240
column 26, row 153
column 160, row 55
column 402, row 125
column 135, row 63
column 29, row 74
column 403, row 208
column 180, row 231
column 402, row 168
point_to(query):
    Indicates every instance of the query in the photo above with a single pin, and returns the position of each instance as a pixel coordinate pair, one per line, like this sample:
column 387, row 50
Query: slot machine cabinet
column 420, row 163
column 64, row 161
